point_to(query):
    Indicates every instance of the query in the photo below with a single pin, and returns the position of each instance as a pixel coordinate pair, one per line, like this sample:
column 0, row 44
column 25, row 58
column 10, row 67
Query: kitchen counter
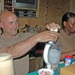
column 56, row 72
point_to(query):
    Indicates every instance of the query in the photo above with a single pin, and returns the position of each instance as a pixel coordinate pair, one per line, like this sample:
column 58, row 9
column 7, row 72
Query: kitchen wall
column 49, row 11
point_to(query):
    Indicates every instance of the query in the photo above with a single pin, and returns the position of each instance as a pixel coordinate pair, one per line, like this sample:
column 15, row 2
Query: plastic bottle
column 68, row 60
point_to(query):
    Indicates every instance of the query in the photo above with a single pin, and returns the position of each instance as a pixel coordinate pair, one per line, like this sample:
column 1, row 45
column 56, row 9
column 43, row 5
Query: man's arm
column 23, row 47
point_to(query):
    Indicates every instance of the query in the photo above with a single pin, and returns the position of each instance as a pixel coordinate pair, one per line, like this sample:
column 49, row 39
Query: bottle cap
column 68, row 56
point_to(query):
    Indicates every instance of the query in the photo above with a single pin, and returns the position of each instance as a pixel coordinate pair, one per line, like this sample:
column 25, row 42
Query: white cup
column 6, row 64
column 45, row 71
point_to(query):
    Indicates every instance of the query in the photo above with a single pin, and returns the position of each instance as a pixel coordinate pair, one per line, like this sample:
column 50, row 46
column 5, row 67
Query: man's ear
column 1, row 25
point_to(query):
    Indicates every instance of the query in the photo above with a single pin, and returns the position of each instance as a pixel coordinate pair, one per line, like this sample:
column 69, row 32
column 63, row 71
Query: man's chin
column 73, row 32
column 14, row 34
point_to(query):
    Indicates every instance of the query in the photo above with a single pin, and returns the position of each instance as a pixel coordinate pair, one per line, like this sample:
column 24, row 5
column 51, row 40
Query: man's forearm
column 20, row 48
column 67, row 53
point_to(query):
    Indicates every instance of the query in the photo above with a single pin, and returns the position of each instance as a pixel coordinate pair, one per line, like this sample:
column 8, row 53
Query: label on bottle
column 68, row 60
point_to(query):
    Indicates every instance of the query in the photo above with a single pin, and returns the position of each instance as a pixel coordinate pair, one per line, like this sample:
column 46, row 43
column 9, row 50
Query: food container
column 68, row 60
column 45, row 71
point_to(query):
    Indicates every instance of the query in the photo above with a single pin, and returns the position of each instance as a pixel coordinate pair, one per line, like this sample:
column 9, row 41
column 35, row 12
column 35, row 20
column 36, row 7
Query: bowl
column 45, row 71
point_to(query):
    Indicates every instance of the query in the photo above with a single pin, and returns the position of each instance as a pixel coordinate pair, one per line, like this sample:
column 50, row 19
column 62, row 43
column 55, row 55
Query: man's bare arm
column 23, row 47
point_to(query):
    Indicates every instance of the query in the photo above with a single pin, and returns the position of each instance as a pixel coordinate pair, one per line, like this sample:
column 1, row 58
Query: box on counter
column 68, row 70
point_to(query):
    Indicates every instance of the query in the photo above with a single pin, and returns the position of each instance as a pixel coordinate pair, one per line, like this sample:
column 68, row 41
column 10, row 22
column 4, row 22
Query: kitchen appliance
column 51, row 54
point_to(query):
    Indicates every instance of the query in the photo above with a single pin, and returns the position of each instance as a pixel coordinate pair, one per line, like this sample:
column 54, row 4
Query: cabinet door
column 35, row 64
column 72, row 6
column 0, row 6
column 32, row 65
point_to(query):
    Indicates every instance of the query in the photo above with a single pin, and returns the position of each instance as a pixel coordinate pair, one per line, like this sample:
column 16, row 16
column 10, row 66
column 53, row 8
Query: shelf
column 25, row 9
column 7, row 3
column 25, row 13
column 7, row 6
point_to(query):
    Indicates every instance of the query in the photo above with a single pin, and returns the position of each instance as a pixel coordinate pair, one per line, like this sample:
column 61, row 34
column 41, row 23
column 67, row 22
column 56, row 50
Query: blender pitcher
column 51, row 54
column 54, row 54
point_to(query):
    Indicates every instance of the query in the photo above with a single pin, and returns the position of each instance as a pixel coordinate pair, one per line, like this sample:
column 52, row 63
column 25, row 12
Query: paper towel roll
column 6, row 64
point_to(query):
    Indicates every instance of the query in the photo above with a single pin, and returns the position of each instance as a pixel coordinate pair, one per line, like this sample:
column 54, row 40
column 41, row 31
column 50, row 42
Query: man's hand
column 52, row 26
column 46, row 36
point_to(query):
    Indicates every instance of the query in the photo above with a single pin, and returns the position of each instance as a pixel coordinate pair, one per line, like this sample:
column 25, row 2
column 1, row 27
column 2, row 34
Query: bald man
column 18, row 44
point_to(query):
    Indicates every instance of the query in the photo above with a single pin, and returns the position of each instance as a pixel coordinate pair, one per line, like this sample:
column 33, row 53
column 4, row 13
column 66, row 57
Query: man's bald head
column 9, row 23
column 4, row 15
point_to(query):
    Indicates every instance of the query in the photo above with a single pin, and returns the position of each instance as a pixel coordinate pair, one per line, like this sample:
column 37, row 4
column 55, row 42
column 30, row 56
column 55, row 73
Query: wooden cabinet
column 35, row 63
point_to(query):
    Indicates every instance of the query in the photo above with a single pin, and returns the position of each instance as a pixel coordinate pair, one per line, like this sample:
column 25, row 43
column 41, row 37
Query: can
column 68, row 60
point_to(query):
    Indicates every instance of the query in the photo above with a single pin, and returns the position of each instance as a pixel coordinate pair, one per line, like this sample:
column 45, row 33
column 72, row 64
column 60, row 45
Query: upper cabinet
column 22, row 8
